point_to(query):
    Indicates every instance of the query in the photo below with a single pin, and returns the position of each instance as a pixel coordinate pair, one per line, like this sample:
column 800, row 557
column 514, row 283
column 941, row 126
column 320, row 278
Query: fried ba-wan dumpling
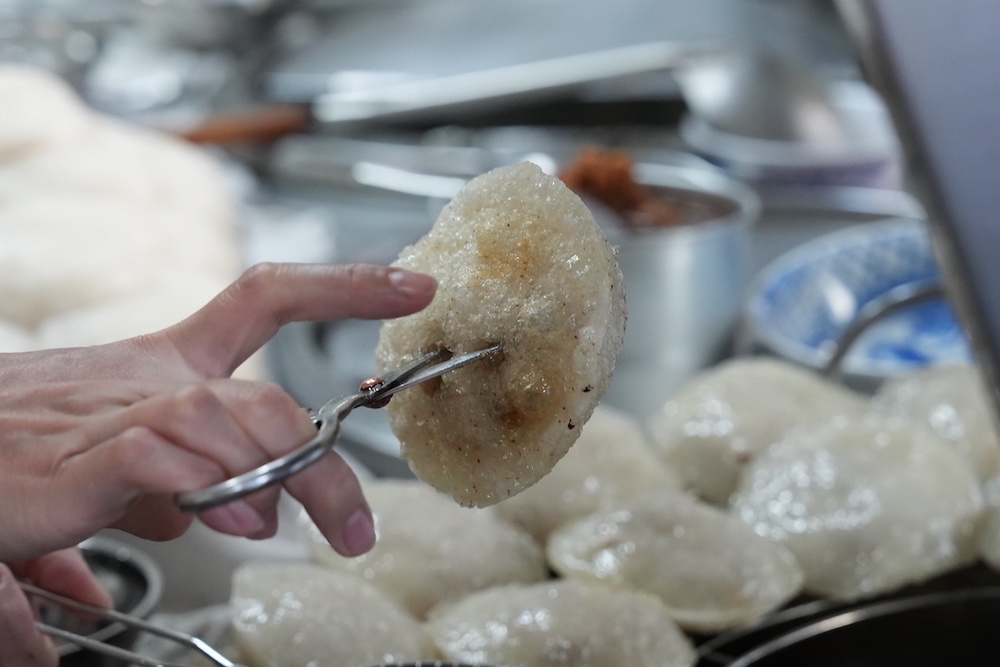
column 610, row 463
column 520, row 262
column 430, row 550
column 558, row 624
column 710, row 570
column 294, row 614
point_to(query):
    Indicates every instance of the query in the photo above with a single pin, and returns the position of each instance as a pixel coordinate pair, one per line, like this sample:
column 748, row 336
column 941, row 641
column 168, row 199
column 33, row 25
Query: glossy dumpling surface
column 290, row 615
column 429, row 549
column 561, row 624
column 711, row 428
column 712, row 571
column 953, row 402
column 611, row 462
column 866, row 505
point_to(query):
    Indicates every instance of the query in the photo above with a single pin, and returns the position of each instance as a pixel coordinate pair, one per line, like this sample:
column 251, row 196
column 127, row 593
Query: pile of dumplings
column 756, row 484
column 109, row 230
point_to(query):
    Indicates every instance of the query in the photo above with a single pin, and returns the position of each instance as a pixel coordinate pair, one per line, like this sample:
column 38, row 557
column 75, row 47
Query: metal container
column 684, row 284
column 135, row 583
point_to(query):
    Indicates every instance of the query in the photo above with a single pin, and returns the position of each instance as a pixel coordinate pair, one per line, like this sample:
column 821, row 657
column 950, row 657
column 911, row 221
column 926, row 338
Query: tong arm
column 194, row 643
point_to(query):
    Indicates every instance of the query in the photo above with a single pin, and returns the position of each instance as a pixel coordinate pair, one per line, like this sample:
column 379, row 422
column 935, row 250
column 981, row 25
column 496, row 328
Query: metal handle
column 874, row 311
column 267, row 474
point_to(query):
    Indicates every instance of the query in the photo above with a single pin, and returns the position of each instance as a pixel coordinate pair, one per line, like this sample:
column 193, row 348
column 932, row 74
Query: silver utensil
column 373, row 393
column 194, row 643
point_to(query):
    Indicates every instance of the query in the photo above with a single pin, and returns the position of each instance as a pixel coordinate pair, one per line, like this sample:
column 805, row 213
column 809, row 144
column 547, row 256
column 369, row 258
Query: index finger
column 223, row 334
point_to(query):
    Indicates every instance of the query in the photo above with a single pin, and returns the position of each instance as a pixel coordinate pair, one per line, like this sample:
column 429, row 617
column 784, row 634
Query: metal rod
column 193, row 643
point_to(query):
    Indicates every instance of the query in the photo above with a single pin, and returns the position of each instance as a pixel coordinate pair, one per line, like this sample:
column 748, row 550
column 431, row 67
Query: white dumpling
column 865, row 504
column 170, row 297
column 59, row 254
column 712, row 571
column 560, row 624
column 954, row 403
column 295, row 614
column 611, row 461
column 430, row 550
column 520, row 262
column 37, row 108
column 719, row 421
column 15, row 338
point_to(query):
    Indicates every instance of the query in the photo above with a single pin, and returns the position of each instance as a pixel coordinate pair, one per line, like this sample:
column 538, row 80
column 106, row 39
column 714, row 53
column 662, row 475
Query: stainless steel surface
column 684, row 286
column 420, row 96
column 127, row 620
column 761, row 94
column 328, row 419
column 133, row 580
column 384, row 42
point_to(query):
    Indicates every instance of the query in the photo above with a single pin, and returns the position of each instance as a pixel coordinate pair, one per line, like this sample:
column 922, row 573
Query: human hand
column 108, row 435
column 63, row 572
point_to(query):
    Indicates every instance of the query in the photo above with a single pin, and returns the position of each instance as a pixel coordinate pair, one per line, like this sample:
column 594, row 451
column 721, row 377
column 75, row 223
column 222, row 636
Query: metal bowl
column 135, row 583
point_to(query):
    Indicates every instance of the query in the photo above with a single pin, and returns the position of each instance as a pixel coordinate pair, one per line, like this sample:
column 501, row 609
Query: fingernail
column 359, row 532
column 245, row 519
column 412, row 284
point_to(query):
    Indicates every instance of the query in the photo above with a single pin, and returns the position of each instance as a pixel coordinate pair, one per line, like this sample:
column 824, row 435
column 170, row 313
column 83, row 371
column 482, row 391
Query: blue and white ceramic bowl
column 800, row 306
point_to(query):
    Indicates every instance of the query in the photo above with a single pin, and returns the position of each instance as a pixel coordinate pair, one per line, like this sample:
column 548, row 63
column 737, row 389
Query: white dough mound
column 431, row 550
column 611, row 462
column 952, row 401
column 866, row 504
column 710, row 569
column 560, row 623
column 519, row 261
column 294, row 614
column 715, row 425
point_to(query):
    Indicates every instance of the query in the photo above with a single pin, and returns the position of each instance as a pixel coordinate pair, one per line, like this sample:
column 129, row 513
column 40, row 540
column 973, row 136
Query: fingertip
column 414, row 285
column 358, row 536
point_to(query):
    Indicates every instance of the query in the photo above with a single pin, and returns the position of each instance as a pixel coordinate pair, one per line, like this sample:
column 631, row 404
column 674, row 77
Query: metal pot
column 684, row 284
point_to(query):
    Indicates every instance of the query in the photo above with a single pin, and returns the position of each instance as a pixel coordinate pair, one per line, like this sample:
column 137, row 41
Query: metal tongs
column 373, row 393
column 193, row 643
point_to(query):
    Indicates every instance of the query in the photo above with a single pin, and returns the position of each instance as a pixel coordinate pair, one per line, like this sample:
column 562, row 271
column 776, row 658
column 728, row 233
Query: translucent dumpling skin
column 865, row 504
column 519, row 261
column 953, row 402
column 291, row 615
column 430, row 550
column 560, row 624
column 719, row 421
column 610, row 463
column 710, row 570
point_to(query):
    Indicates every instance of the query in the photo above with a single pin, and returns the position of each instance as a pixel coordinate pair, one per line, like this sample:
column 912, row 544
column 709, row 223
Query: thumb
column 235, row 324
